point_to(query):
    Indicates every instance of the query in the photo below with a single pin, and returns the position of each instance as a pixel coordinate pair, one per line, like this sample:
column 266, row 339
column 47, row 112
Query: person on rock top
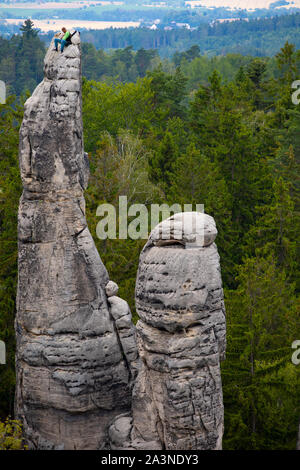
column 63, row 41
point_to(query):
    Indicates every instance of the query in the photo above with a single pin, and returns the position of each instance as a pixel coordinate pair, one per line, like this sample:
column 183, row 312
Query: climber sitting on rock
column 65, row 40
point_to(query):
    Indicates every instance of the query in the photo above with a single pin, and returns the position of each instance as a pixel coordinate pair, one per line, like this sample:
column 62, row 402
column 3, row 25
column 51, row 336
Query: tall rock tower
column 74, row 369
column 177, row 399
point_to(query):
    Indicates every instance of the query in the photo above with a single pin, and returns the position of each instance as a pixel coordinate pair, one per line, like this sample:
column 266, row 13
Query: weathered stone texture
column 73, row 375
column 177, row 398
column 77, row 359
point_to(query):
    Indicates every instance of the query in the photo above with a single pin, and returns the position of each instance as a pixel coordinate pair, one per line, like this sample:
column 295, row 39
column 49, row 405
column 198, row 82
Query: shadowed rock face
column 177, row 398
column 74, row 361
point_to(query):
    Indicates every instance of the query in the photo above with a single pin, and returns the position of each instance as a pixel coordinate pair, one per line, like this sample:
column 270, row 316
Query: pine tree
column 161, row 163
column 28, row 29
column 169, row 93
column 276, row 230
column 261, row 384
column 220, row 121
column 10, row 191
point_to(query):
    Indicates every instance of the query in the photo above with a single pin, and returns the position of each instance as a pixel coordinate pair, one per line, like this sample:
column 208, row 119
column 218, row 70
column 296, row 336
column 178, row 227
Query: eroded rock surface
column 75, row 350
column 177, row 398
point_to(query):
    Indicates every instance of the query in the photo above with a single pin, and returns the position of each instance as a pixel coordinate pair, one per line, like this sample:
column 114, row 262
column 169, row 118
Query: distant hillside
column 246, row 4
column 170, row 14
column 260, row 37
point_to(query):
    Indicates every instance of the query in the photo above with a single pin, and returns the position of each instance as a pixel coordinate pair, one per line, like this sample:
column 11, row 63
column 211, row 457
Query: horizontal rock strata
column 177, row 398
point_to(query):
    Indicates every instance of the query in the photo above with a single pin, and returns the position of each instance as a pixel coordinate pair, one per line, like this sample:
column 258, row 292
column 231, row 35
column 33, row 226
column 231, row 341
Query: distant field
column 57, row 5
column 53, row 25
column 244, row 4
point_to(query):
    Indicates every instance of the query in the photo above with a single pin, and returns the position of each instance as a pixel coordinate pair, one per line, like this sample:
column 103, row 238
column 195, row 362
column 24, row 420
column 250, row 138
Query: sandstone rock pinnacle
column 73, row 375
column 80, row 381
column 177, row 398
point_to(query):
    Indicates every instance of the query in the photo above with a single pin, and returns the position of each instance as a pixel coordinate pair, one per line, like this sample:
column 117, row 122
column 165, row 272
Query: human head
column 64, row 30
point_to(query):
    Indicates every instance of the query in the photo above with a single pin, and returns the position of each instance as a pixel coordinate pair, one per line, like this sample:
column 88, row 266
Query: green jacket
column 66, row 35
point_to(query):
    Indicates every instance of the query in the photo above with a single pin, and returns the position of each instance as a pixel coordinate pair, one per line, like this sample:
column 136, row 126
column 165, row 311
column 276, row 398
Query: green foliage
column 122, row 64
column 163, row 160
column 11, row 435
column 196, row 179
column 21, row 60
column 276, row 229
column 119, row 167
column 10, row 191
column 169, row 92
column 260, row 382
column 221, row 119
column 113, row 107
column 28, row 29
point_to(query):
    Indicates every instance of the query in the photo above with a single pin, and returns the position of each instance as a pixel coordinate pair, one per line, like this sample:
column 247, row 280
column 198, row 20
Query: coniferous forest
column 221, row 131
